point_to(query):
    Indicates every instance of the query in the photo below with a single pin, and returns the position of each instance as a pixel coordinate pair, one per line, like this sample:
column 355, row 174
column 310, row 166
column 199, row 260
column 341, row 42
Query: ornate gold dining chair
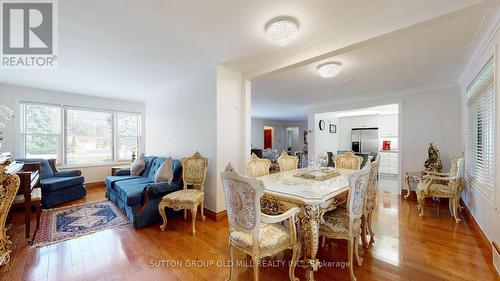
column 257, row 167
column 252, row 232
column 345, row 223
column 287, row 162
column 371, row 202
column 443, row 185
column 194, row 170
column 348, row 161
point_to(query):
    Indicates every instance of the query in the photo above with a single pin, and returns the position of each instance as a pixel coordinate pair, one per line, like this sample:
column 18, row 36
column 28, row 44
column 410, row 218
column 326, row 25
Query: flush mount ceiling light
column 282, row 30
column 329, row 69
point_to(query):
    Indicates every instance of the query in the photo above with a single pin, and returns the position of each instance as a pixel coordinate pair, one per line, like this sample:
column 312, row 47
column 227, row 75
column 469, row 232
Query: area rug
column 60, row 224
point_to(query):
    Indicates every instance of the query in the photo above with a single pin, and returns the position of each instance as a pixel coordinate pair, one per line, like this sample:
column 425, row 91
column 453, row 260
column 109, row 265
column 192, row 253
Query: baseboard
column 94, row 184
column 215, row 216
column 467, row 215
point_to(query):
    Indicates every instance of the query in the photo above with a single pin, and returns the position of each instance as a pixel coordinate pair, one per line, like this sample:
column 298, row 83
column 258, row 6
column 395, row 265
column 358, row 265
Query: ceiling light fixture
column 329, row 69
column 282, row 30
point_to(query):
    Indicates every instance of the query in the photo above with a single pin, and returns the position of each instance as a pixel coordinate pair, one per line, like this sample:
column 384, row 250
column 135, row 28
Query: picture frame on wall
column 333, row 128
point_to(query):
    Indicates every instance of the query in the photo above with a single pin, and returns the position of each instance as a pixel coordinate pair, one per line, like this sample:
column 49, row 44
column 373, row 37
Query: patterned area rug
column 65, row 223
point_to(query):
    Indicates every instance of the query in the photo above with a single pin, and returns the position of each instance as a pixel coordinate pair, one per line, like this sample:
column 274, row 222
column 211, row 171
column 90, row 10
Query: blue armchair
column 58, row 186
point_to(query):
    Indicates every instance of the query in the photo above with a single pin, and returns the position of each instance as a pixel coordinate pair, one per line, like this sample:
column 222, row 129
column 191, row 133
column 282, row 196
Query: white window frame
column 61, row 150
column 478, row 178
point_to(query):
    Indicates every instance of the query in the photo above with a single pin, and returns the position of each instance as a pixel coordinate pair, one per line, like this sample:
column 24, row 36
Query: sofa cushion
column 131, row 190
column 110, row 180
column 155, row 165
column 56, row 183
column 165, row 173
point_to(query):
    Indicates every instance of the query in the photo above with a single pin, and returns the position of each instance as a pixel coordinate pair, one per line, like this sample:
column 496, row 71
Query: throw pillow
column 165, row 172
column 138, row 166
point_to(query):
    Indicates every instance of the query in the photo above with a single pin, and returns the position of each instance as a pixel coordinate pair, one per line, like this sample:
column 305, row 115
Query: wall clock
column 321, row 125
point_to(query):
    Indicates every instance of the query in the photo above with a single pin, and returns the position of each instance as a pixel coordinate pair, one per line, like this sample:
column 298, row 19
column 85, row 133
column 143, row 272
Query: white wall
column 12, row 95
column 279, row 133
column 431, row 116
column 182, row 121
column 324, row 140
column 484, row 210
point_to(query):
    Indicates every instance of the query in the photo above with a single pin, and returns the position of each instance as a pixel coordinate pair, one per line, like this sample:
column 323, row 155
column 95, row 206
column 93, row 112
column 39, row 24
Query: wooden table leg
column 27, row 217
column 310, row 220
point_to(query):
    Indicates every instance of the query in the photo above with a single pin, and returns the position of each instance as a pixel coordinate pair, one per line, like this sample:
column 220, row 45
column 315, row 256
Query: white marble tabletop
column 307, row 190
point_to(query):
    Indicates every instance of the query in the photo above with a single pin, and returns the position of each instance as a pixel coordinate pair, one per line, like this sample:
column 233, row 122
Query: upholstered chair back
column 242, row 196
column 287, row 162
column 348, row 161
column 257, row 167
column 358, row 183
column 457, row 171
column 372, row 188
column 194, row 169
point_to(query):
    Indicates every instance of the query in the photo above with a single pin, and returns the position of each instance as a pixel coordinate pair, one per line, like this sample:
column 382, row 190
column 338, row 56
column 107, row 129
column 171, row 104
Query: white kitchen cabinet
column 388, row 125
column 389, row 163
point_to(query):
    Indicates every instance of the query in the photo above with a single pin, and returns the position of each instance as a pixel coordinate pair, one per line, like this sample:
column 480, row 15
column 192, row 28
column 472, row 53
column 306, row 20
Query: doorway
column 268, row 137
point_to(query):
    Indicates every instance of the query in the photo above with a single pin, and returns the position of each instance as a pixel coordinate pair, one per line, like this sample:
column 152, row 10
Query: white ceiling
column 133, row 49
column 427, row 57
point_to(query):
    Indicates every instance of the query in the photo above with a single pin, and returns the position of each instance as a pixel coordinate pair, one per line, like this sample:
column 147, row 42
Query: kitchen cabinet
column 389, row 162
column 388, row 125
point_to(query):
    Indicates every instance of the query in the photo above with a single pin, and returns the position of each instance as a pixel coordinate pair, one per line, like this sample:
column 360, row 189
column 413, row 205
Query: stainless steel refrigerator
column 364, row 140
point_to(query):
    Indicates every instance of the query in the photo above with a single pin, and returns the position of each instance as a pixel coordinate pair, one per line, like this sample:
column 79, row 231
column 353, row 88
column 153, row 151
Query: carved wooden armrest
column 279, row 218
column 429, row 173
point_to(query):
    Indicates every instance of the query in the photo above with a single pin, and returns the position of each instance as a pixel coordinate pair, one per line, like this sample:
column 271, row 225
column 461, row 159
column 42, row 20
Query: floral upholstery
column 258, row 167
column 240, row 210
column 348, row 161
column 184, row 197
column 337, row 221
column 271, row 154
column 194, row 169
column 287, row 162
column 436, row 189
column 271, row 236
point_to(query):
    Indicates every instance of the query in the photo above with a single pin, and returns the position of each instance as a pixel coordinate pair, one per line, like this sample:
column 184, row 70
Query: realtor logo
column 28, row 34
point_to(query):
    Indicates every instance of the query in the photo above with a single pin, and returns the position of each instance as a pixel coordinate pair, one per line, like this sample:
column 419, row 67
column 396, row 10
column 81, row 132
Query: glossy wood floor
column 406, row 248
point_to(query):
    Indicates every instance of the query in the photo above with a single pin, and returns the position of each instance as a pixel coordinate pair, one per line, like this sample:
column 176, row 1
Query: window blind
column 480, row 130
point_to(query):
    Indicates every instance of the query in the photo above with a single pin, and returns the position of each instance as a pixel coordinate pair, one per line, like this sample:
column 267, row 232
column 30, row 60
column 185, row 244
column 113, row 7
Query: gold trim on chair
column 194, row 170
column 287, row 162
column 9, row 184
column 348, row 161
column 252, row 232
column 257, row 167
column 443, row 185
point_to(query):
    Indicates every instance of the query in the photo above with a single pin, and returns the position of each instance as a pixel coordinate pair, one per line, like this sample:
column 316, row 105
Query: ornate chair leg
column 350, row 252
column 255, row 261
column 203, row 210
column 356, row 250
column 194, row 210
column 296, row 253
column 370, row 230
column 185, row 214
column 364, row 226
column 161, row 209
column 231, row 269
column 456, row 205
column 323, row 240
column 420, row 200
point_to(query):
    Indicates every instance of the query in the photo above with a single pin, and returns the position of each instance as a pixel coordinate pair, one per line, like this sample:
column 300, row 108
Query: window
column 480, row 116
column 88, row 136
column 128, row 125
column 40, row 130
column 75, row 135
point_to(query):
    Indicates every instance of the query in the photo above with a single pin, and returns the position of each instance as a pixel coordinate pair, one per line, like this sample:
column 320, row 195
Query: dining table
column 314, row 197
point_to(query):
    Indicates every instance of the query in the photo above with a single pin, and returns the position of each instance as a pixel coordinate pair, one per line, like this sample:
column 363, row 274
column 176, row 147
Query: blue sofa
column 139, row 196
column 57, row 186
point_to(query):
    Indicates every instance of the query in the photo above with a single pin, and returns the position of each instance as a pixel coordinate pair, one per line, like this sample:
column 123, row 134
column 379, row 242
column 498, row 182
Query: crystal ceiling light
column 329, row 69
column 282, row 30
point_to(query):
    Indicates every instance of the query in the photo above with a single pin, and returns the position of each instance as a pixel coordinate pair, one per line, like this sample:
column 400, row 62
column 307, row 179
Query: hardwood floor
column 406, row 248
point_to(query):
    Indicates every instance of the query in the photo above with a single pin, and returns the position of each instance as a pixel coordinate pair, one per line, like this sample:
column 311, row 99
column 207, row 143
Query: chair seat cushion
column 337, row 221
column 56, row 183
column 186, row 196
column 435, row 190
column 271, row 236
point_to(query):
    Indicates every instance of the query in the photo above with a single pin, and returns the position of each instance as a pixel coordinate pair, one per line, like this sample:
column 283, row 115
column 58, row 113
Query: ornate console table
column 284, row 191
column 9, row 184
